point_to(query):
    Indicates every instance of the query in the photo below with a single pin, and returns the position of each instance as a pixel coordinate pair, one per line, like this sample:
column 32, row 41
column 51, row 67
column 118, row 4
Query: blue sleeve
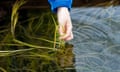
column 59, row 3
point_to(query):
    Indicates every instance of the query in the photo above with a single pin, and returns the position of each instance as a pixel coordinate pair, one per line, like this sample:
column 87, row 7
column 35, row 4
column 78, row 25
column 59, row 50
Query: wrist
column 62, row 9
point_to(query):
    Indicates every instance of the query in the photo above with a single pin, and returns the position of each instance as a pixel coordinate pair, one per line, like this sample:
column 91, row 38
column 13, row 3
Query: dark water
column 96, row 39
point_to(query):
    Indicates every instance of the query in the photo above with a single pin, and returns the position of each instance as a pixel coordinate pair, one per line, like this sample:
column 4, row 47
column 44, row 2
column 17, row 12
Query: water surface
column 96, row 38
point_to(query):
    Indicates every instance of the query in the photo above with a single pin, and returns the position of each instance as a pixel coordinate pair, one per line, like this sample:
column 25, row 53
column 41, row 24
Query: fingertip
column 66, row 38
column 69, row 38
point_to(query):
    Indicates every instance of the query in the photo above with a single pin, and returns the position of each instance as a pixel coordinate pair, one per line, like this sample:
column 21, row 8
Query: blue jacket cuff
column 56, row 4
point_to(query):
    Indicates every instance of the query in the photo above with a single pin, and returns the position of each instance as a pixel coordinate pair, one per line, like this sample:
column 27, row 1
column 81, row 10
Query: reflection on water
column 96, row 39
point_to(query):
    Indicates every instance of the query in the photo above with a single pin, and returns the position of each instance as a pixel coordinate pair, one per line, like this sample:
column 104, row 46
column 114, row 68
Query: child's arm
column 62, row 7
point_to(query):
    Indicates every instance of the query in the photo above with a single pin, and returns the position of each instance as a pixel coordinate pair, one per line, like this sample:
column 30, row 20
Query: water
column 96, row 39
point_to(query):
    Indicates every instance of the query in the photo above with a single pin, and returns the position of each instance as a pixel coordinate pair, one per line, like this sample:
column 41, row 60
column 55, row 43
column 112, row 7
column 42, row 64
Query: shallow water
column 96, row 39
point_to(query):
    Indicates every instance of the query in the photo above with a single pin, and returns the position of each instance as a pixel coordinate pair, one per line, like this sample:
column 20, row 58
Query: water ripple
column 96, row 38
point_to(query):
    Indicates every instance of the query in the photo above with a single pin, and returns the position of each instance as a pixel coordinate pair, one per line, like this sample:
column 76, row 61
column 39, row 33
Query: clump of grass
column 30, row 45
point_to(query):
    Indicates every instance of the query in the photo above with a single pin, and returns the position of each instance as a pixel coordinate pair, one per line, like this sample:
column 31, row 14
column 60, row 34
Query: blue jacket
column 60, row 3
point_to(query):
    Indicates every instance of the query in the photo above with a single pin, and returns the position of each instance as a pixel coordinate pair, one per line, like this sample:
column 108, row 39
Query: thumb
column 61, row 30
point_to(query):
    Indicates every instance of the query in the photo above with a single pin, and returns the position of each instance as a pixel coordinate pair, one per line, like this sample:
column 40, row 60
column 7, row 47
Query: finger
column 69, row 38
column 68, row 30
column 61, row 32
column 65, row 36
column 67, row 33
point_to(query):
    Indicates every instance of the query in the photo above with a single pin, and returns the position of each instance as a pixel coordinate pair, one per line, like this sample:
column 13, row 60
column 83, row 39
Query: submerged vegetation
column 29, row 42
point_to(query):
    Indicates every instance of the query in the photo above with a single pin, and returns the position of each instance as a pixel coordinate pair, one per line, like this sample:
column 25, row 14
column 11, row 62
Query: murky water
column 96, row 39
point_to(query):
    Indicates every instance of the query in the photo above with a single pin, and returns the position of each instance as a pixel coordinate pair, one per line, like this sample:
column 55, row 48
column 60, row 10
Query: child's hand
column 65, row 24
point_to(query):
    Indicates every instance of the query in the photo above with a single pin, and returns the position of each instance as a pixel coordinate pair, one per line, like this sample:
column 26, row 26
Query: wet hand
column 65, row 24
